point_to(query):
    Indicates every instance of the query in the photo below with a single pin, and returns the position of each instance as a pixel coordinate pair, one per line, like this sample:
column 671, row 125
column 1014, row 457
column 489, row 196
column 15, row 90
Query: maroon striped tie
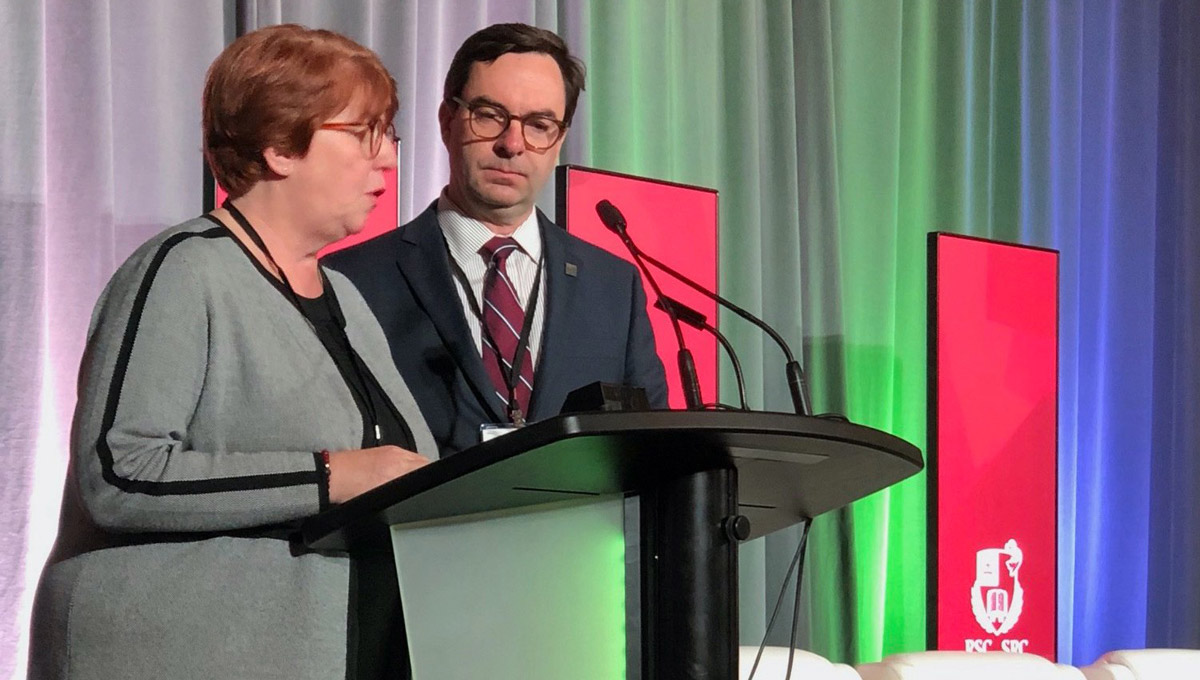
column 503, row 320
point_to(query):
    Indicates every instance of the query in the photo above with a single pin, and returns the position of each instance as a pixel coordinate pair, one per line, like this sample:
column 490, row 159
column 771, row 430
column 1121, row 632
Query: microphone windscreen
column 610, row 216
column 682, row 312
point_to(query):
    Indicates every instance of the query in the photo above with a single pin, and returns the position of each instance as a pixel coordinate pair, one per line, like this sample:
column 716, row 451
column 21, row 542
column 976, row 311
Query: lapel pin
column 572, row 269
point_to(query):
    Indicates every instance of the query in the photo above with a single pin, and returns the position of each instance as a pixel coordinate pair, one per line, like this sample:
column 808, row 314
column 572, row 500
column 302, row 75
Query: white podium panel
column 530, row 595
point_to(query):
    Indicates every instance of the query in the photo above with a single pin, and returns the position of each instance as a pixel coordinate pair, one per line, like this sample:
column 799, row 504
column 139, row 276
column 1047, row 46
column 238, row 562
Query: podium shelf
column 789, row 468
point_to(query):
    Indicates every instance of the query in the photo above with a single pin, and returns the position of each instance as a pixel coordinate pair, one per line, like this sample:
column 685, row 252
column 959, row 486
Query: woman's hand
column 357, row 471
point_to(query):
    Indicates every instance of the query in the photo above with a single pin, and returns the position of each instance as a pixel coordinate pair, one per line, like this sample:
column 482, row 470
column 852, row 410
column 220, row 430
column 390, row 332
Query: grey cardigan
column 203, row 395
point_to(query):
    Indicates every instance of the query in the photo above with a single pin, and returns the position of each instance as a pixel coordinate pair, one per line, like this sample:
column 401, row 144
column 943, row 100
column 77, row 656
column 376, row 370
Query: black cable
column 796, row 559
column 796, row 605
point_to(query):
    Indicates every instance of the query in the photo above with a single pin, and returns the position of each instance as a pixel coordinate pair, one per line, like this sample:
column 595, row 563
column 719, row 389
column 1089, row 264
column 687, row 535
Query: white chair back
column 1146, row 664
column 805, row 665
column 967, row 666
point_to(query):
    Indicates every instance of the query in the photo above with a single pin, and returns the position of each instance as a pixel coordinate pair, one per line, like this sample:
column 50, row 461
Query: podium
column 703, row 480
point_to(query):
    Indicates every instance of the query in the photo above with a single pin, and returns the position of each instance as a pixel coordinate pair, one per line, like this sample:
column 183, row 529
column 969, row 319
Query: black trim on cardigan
column 178, row 487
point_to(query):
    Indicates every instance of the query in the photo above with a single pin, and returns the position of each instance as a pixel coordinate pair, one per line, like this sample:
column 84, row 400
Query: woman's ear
column 277, row 162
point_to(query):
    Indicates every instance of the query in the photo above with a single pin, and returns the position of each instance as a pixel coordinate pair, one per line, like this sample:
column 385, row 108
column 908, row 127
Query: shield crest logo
column 996, row 596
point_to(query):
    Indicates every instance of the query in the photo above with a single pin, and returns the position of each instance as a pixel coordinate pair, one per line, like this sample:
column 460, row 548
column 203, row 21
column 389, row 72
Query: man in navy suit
column 580, row 312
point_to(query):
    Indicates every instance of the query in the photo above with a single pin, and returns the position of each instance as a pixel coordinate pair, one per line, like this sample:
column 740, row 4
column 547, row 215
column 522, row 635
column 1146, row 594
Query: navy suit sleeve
column 643, row 368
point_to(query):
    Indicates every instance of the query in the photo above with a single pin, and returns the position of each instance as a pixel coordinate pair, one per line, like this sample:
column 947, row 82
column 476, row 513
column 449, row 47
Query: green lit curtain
column 839, row 134
column 792, row 111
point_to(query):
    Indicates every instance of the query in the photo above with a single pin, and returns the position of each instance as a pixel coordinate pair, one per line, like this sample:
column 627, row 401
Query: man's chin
column 500, row 197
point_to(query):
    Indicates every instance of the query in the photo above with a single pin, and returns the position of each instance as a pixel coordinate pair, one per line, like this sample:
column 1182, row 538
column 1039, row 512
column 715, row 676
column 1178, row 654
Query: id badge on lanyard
column 489, row 431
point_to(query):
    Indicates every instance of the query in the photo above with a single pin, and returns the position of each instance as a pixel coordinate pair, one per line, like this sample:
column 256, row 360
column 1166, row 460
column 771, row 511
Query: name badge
column 489, row 431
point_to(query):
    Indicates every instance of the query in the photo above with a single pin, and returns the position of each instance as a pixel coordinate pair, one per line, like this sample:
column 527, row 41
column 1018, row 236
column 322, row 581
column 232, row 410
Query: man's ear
column 445, row 118
column 558, row 146
column 278, row 163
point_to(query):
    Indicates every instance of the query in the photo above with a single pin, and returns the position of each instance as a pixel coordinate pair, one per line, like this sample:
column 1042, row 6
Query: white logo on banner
column 997, row 608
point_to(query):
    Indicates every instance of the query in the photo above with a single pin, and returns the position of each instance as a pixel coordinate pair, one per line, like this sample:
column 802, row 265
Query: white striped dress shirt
column 464, row 237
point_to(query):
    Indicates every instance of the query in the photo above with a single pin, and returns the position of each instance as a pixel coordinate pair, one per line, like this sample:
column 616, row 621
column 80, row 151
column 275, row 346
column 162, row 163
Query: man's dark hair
column 488, row 44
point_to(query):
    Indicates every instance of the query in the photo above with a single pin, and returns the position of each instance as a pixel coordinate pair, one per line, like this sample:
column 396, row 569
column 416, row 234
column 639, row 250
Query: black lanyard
column 362, row 390
column 511, row 376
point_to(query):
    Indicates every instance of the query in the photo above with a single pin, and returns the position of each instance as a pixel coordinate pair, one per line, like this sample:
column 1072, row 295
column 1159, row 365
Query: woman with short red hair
column 231, row 388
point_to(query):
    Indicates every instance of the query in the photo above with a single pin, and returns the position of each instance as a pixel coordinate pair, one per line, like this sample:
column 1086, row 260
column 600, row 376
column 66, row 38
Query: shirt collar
column 466, row 235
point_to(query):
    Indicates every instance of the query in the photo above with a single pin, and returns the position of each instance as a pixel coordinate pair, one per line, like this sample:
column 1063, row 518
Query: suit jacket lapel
column 560, row 292
column 425, row 264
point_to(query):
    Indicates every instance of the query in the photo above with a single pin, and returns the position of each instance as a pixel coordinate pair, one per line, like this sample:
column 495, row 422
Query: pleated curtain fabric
column 838, row 134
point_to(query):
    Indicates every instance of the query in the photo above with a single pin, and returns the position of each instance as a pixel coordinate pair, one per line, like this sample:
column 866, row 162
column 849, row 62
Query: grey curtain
column 99, row 149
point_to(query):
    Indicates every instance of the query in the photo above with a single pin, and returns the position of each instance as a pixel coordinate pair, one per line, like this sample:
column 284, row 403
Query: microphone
column 697, row 320
column 615, row 221
column 797, row 385
column 612, row 218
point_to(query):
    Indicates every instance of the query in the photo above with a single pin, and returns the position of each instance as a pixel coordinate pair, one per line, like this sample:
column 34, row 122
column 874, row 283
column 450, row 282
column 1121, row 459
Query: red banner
column 676, row 224
column 993, row 433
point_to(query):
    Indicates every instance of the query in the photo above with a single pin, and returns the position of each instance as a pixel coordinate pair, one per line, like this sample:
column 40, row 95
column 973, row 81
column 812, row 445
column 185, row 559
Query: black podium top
column 789, row 468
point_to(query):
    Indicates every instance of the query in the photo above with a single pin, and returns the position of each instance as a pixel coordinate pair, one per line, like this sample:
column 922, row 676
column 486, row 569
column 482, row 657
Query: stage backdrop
column 838, row 134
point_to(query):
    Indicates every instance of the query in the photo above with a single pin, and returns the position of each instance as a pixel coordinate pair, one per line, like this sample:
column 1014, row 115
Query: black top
column 377, row 641
column 376, row 408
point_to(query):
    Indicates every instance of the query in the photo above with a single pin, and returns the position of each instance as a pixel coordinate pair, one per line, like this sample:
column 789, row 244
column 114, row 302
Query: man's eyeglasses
column 490, row 121
column 370, row 135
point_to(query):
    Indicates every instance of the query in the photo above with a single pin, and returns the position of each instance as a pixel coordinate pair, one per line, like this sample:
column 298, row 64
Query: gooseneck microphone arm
column 615, row 221
column 698, row 321
column 797, row 386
